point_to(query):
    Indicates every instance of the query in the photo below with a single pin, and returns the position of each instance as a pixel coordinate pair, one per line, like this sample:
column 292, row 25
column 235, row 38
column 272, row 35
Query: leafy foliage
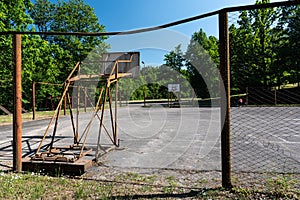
column 69, row 16
column 264, row 52
column 154, row 82
column 45, row 59
column 199, row 64
column 263, row 49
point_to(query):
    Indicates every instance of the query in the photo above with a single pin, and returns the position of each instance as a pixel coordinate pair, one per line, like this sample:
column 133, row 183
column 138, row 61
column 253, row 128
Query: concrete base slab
column 57, row 168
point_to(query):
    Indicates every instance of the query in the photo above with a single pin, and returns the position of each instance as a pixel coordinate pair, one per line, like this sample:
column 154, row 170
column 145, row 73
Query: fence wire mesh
column 265, row 113
column 265, row 109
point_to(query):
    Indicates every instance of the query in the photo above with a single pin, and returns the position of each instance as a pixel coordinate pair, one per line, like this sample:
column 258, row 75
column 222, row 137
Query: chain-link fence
column 264, row 85
column 266, row 107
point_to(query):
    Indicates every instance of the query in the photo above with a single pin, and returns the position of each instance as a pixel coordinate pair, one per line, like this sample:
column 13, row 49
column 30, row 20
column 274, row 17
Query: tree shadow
column 195, row 194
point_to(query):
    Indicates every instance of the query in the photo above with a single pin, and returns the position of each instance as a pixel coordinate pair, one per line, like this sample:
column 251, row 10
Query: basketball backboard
column 128, row 62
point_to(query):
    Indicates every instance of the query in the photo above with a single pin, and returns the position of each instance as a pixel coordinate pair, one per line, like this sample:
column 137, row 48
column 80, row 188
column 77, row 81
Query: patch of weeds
column 235, row 180
column 243, row 192
column 172, row 185
column 7, row 186
column 63, row 181
column 201, row 182
column 151, row 179
column 167, row 190
column 146, row 188
column 38, row 191
column 79, row 193
column 172, row 181
column 206, row 193
column 135, row 177
column 119, row 177
column 103, row 191
column 282, row 186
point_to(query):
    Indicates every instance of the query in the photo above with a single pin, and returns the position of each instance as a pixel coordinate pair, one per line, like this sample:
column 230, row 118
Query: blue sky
column 121, row 15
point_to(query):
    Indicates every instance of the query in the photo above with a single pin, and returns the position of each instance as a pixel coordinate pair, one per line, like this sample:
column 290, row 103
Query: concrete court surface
column 178, row 138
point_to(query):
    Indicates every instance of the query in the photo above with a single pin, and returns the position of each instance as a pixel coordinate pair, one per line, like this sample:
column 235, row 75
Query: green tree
column 69, row 16
column 293, row 31
column 42, row 13
column 202, row 64
column 39, row 58
column 175, row 59
column 13, row 17
column 241, row 57
column 254, row 44
column 198, row 64
column 264, row 19
column 153, row 80
column 38, row 66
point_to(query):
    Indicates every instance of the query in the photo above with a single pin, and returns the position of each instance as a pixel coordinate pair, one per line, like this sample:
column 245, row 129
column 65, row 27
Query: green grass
column 6, row 119
column 129, row 186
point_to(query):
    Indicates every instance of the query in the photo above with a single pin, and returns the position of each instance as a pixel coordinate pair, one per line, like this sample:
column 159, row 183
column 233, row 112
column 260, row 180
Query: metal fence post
column 225, row 99
column 33, row 101
column 17, row 119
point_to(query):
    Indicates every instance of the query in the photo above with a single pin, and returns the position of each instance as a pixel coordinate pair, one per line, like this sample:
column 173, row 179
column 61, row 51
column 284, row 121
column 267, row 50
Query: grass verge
column 7, row 119
column 131, row 186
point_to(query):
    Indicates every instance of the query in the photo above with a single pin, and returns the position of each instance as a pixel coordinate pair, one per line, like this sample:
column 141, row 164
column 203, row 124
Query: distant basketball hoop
column 173, row 87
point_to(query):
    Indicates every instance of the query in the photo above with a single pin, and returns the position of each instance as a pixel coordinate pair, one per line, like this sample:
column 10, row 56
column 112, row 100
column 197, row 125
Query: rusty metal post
column 65, row 105
column 33, row 101
column 17, row 119
column 77, row 112
column 85, row 98
column 225, row 100
column 116, row 107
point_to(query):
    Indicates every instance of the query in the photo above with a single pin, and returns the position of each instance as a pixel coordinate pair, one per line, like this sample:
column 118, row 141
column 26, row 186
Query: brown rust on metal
column 17, row 118
column 78, row 150
column 57, row 167
column 71, row 116
column 225, row 100
column 67, row 84
column 115, row 133
column 33, row 101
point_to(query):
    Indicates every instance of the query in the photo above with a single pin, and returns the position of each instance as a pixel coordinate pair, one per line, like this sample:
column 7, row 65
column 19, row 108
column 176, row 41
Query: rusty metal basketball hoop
column 110, row 68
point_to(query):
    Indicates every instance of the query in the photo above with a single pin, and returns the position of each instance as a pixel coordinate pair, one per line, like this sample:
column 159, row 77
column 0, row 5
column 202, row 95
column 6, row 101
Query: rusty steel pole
column 33, row 101
column 225, row 100
column 17, row 118
column 116, row 107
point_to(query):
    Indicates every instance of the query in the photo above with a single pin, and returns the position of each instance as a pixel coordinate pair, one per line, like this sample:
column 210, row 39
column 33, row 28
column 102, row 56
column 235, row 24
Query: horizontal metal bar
column 183, row 21
column 261, row 6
